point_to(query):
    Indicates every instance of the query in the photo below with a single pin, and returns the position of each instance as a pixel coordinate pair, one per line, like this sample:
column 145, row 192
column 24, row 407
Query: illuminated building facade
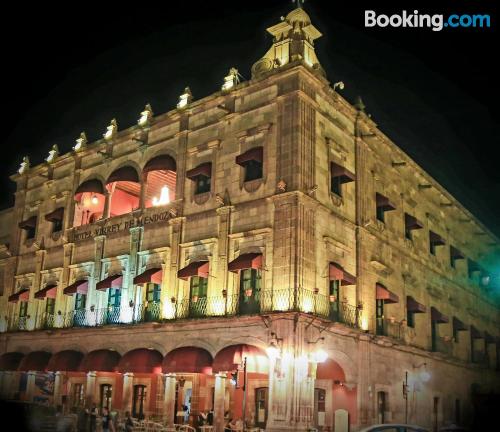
column 270, row 222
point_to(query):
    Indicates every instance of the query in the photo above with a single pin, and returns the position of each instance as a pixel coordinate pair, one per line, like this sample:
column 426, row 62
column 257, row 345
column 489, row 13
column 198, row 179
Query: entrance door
column 319, row 408
column 335, row 300
column 139, row 401
column 106, row 395
column 79, row 313
column 381, row 406
column 113, row 312
column 261, row 396
column 152, row 312
column 198, row 299
column 249, row 291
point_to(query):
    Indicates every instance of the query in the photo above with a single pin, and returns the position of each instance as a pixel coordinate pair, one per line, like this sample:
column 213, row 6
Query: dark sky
column 73, row 68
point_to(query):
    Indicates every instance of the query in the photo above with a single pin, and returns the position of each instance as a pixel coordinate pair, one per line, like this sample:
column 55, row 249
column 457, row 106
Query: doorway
column 138, row 401
column 106, row 396
column 319, row 408
column 261, row 398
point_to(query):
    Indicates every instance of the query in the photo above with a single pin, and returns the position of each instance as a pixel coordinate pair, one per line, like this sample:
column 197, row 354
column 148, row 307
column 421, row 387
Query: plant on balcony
column 172, row 299
column 194, row 299
column 248, row 292
column 333, row 299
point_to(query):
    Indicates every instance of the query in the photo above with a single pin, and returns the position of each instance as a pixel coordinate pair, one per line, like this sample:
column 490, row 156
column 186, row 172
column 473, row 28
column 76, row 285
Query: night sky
column 74, row 68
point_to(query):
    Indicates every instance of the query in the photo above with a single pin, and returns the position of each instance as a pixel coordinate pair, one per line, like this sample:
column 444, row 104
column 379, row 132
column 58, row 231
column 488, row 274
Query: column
column 142, row 196
column 128, row 389
column 58, row 383
column 219, row 397
column 107, row 204
column 169, row 401
column 90, row 388
column 30, row 385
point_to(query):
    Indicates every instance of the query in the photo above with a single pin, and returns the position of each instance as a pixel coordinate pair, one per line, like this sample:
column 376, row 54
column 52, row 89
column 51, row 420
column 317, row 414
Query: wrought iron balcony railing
column 443, row 346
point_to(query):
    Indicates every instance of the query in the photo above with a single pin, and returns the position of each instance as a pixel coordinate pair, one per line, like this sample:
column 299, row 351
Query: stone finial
column 25, row 165
column 231, row 79
column 281, row 186
column 81, row 142
column 359, row 105
column 53, row 153
column 111, row 130
column 146, row 116
column 185, row 98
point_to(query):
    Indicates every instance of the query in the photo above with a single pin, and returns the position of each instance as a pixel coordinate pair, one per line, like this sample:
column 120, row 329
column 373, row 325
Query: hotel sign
column 116, row 225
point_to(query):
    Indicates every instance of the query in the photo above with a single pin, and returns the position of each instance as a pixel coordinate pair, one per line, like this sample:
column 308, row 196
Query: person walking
column 107, row 422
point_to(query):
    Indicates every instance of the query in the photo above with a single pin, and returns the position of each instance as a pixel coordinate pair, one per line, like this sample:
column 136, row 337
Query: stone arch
column 124, row 164
column 346, row 363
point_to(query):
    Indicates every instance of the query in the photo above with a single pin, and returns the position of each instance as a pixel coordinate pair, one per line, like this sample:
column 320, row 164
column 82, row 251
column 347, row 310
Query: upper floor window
column 472, row 267
column 455, row 255
column 201, row 176
column 411, row 223
column 434, row 241
column 124, row 190
column 89, row 198
column 251, row 161
column 56, row 217
column 160, row 178
column 413, row 307
column 383, row 205
column 339, row 176
column 29, row 225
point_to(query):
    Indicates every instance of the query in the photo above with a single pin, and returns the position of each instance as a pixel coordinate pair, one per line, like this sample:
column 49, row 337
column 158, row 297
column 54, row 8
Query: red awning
column 10, row 361
column 337, row 272
column 100, row 361
column 475, row 333
column 231, row 358
column 456, row 254
column 246, row 261
column 153, row 275
column 254, row 154
column 412, row 223
column 384, row 294
column 414, row 306
column 67, row 360
column 345, row 175
column 114, row 281
column 50, row 291
column 384, row 202
column 34, row 361
column 21, row 295
column 141, row 360
column 126, row 173
column 29, row 223
column 196, row 268
column 56, row 215
column 160, row 163
column 436, row 239
column 438, row 317
column 458, row 325
column 94, row 186
column 80, row 287
column 188, row 360
column 204, row 169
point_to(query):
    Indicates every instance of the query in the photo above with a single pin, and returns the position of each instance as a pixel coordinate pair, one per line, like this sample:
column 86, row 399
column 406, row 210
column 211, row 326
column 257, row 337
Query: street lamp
column 424, row 377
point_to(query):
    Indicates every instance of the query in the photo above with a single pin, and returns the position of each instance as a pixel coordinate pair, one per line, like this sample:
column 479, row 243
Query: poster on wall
column 43, row 391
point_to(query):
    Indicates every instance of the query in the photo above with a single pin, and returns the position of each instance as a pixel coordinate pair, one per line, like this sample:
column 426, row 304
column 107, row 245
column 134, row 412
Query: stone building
column 268, row 233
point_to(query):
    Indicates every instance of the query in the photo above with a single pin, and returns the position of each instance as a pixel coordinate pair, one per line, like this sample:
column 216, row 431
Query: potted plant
column 194, row 298
column 333, row 298
column 172, row 299
column 248, row 292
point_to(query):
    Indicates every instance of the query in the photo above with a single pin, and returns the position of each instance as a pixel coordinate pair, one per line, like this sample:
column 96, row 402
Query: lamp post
column 424, row 377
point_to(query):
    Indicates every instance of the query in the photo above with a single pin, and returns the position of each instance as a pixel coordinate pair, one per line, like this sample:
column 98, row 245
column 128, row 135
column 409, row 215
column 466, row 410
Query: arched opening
column 10, row 361
column 141, row 360
column 100, row 360
column 67, row 361
column 34, row 361
column 160, row 175
column 124, row 190
column 89, row 202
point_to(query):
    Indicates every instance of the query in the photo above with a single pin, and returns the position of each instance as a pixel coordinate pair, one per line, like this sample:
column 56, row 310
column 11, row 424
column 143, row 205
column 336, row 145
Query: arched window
column 160, row 180
column 90, row 199
column 124, row 190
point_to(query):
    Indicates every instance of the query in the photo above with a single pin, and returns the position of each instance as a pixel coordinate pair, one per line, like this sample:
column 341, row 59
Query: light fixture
column 185, row 98
column 273, row 350
column 320, row 356
column 94, row 200
column 424, row 375
column 164, row 197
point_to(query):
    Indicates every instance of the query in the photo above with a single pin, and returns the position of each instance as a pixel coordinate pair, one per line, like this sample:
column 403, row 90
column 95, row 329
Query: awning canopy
column 10, row 361
column 50, row 291
column 188, row 360
column 67, row 360
column 231, row 358
column 196, row 268
column 436, row 239
column 384, row 294
column 344, row 174
column 55, row 216
column 100, row 360
column 254, row 154
column 246, row 261
column 22, row 295
column 475, row 333
column 489, row 339
column 151, row 275
column 456, row 254
column 126, row 173
column 160, row 163
column 141, row 360
column 204, row 169
column 80, row 286
column 27, row 224
column 412, row 223
column 438, row 317
column 34, row 361
column 458, row 325
column 473, row 266
column 414, row 306
column 337, row 272
column 384, row 202
column 93, row 186
column 113, row 281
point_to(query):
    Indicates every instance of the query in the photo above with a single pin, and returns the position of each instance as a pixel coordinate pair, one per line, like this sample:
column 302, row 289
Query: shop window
column 160, row 179
column 139, row 401
column 124, row 190
column 89, row 202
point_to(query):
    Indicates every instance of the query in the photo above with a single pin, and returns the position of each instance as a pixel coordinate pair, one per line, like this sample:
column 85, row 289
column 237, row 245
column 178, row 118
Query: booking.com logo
column 435, row 22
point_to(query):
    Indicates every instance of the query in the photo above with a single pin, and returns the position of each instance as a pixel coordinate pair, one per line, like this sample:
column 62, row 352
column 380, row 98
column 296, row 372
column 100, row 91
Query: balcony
column 443, row 346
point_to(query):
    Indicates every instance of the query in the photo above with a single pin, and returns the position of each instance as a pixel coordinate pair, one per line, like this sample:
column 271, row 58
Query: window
column 29, row 226
column 80, row 301
column 435, row 240
column 432, row 248
column 383, row 205
column 57, row 225
column 198, row 287
column 339, row 175
column 250, row 281
column 410, row 319
column 124, row 188
column 411, row 223
column 202, row 184
column 380, row 214
column 89, row 202
column 139, row 401
column 153, row 292
column 201, row 176
column 380, row 316
column 23, row 309
column 381, row 406
column 252, row 163
column 334, row 292
column 160, row 174
column 50, row 306
column 106, row 395
column 78, row 396
column 253, row 170
column 336, row 186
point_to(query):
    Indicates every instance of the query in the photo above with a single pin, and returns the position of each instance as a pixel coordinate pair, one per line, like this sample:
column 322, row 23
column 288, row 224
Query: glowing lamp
column 272, row 350
column 425, row 376
column 164, row 197
column 94, row 200
column 320, row 356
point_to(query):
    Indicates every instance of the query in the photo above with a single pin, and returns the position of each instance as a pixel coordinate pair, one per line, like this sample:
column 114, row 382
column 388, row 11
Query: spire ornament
column 81, row 142
column 53, row 153
column 111, row 130
column 25, row 165
column 231, row 80
column 185, row 98
column 146, row 116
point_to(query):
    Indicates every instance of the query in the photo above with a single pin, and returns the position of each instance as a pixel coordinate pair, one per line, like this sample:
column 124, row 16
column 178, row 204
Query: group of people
column 87, row 420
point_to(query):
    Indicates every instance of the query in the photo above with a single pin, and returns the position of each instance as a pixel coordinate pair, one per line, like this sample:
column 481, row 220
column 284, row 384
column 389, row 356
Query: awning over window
column 34, row 361
column 141, row 360
column 113, row 281
column 458, row 325
column 412, row 223
column 384, row 294
column 337, row 272
column 100, row 361
column 152, row 275
column 475, row 333
column 94, row 186
column 384, row 202
column 160, row 163
column 204, row 169
column 21, row 295
column 436, row 239
column 67, row 360
column 246, row 261
column 231, row 358
column 80, row 287
column 489, row 339
column 188, row 360
column 254, row 154
column 55, row 216
column 196, row 268
column 126, row 173
column 414, row 306
column 50, row 291
column 473, row 266
column 438, row 317
column 344, row 174
column 10, row 361
column 29, row 223
column 456, row 254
